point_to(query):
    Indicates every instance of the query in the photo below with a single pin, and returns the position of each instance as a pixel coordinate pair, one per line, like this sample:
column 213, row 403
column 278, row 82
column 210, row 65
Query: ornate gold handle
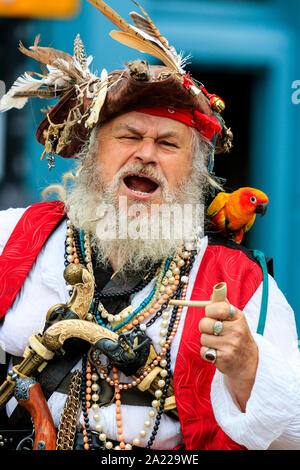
column 57, row 334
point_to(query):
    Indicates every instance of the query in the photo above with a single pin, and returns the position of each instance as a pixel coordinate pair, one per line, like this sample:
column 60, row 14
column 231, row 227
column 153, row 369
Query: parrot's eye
column 253, row 200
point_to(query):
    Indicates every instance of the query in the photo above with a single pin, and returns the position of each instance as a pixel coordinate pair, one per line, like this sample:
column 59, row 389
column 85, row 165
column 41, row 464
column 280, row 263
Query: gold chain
column 68, row 421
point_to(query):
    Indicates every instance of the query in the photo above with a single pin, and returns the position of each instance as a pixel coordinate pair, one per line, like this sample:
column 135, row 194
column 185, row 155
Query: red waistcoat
column 192, row 375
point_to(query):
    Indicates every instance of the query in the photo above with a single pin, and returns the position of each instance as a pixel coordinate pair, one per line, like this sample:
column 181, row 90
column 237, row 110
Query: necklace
column 171, row 281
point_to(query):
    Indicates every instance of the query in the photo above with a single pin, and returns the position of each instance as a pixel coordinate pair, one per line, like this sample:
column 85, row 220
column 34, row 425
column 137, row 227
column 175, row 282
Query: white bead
column 164, row 373
column 184, row 279
column 95, row 377
column 102, row 437
column 143, row 433
column 180, row 262
column 163, row 362
column 147, row 423
column 151, row 413
column 143, row 327
column 96, row 417
column 163, row 332
column 171, row 279
column 162, row 342
column 158, row 393
column 117, row 317
column 70, row 258
column 164, row 323
column 95, row 397
column 155, row 403
column 136, row 441
column 108, row 445
column 165, row 315
column 161, row 383
column 110, row 317
column 89, row 317
column 185, row 254
column 95, row 387
column 95, row 407
column 117, row 448
column 98, row 427
column 128, row 447
column 176, row 271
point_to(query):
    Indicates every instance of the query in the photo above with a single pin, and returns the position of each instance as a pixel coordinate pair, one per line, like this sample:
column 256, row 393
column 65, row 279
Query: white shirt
column 272, row 417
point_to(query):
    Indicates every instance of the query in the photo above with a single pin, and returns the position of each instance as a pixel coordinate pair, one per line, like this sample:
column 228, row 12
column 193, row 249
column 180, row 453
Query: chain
column 68, row 421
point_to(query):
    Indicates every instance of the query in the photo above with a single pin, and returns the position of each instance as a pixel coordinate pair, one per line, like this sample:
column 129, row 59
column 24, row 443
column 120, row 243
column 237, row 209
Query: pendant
column 128, row 354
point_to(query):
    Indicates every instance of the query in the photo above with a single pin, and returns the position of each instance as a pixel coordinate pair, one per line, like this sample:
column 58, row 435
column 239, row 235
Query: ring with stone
column 218, row 327
column 231, row 312
column 211, row 355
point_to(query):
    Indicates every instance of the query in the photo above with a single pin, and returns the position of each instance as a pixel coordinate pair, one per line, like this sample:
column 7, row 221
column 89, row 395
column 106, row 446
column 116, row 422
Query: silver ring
column 218, row 327
column 211, row 355
column 231, row 312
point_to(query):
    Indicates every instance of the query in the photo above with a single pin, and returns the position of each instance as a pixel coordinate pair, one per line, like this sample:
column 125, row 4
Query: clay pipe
column 219, row 295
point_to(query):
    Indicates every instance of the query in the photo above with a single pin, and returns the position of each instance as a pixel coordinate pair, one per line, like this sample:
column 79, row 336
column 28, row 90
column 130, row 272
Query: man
column 148, row 151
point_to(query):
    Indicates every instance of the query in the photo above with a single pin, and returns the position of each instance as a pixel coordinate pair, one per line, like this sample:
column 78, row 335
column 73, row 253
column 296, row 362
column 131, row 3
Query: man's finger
column 223, row 311
column 212, row 326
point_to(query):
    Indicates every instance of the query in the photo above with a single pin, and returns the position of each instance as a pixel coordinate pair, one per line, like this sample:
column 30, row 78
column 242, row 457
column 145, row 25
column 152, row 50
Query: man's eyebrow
column 129, row 128
column 136, row 131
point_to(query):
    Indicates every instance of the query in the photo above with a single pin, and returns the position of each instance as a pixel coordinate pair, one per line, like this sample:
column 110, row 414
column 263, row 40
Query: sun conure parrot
column 233, row 214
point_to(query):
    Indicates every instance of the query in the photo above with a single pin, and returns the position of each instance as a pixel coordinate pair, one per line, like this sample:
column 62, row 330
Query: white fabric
column 272, row 417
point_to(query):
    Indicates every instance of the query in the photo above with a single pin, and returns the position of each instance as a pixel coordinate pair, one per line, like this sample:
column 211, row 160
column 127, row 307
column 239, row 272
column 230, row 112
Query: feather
column 22, row 88
column 148, row 24
column 154, row 43
column 143, row 46
column 79, row 52
column 53, row 57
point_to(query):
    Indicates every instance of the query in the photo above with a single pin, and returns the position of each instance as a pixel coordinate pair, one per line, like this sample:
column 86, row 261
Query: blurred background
column 246, row 51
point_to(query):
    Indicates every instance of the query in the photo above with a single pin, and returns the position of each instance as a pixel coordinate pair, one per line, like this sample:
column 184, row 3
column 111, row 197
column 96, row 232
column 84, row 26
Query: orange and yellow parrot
column 233, row 214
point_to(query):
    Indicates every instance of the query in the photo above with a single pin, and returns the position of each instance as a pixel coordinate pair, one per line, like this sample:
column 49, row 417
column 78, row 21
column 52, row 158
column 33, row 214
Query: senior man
column 142, row 373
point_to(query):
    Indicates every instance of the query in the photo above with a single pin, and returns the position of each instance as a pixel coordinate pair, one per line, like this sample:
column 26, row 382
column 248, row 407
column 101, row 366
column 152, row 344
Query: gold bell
column 217, row 104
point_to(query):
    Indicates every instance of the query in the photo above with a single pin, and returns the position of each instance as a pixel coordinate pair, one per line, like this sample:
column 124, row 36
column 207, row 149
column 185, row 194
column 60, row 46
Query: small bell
column 217, row 104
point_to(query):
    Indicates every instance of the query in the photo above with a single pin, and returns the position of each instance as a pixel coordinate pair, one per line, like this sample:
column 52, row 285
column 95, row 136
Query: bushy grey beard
column 141, row 232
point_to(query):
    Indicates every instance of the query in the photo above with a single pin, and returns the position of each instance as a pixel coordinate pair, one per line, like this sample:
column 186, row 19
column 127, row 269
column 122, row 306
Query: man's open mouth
column 140, row 184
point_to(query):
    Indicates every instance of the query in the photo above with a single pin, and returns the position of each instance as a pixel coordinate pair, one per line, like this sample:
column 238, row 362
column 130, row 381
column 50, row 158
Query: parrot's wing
column 217, row 204
column 250, row 223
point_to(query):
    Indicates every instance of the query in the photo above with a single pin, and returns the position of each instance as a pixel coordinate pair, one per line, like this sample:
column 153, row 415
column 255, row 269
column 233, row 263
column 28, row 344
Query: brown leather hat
column 125, row 93
column 86, row 100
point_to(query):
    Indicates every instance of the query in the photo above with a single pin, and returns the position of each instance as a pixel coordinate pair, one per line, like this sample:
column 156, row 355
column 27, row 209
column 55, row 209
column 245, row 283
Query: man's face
column 149, row 154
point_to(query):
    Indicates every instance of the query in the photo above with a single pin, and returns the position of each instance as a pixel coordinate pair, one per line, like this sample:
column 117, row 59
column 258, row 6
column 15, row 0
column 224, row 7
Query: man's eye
column 167, row 143
column 129, row 137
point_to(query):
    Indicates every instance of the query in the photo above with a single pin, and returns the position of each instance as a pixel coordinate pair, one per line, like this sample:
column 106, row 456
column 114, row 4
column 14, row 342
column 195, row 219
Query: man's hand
column 236, row 350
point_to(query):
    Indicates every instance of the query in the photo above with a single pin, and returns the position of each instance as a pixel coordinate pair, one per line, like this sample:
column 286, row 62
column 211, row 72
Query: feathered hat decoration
column 86, row 100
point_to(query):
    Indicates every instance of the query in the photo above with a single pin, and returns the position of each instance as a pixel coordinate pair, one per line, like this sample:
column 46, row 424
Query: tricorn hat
column 87, row 100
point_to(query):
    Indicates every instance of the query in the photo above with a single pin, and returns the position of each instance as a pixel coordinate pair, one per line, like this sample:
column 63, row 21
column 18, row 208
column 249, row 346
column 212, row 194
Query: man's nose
column 146, row 152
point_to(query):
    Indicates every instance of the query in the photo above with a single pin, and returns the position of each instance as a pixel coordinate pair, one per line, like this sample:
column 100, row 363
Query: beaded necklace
column 172, row 281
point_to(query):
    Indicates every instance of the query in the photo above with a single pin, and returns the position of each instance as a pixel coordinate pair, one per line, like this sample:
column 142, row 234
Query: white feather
column 23, row 84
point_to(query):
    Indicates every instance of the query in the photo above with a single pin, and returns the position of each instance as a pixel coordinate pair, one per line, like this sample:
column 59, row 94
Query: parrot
column 233, row 214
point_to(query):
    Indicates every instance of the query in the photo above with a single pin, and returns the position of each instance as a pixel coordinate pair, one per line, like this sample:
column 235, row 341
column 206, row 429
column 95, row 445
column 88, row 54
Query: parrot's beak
column 261, row 209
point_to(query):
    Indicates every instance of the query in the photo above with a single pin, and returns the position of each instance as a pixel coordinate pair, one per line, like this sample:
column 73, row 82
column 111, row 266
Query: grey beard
column 142, row 235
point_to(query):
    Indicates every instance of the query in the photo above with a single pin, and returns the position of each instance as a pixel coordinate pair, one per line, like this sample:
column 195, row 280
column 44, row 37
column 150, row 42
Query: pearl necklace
column 168, row 282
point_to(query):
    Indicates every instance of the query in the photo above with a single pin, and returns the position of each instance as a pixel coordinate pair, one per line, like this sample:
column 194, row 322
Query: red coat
column 192, row 375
